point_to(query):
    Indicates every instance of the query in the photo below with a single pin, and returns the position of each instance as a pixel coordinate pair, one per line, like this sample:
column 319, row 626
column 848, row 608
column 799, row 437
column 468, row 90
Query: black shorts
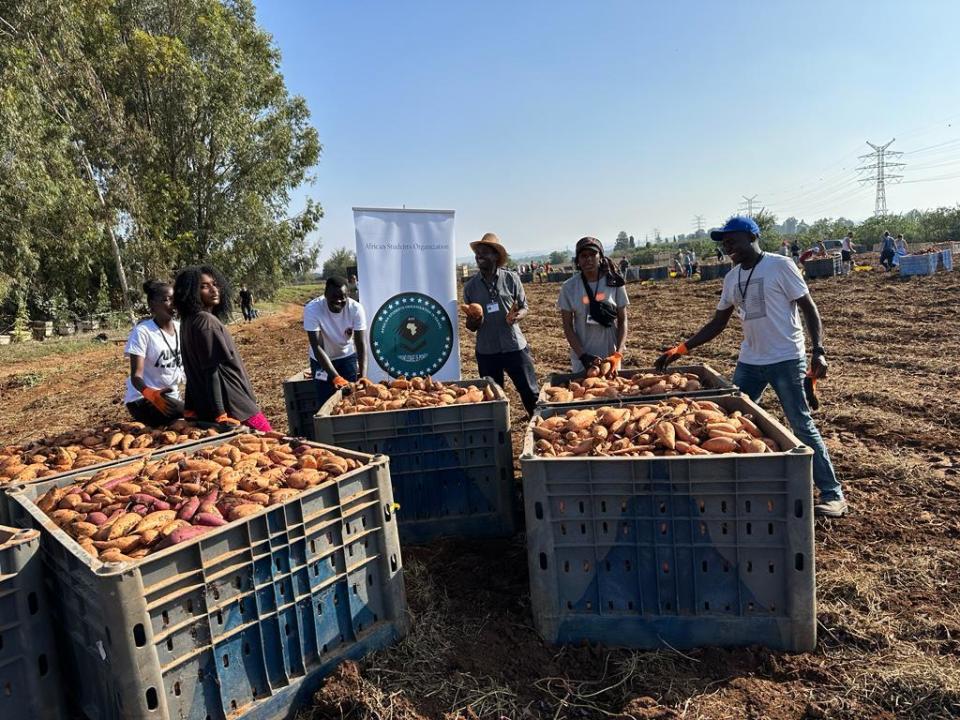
column 845, row 255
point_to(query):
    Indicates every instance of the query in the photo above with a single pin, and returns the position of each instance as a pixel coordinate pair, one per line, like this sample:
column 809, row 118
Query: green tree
column 338, row 263
column 559, row 257
column 622, row 243
column 164, row 129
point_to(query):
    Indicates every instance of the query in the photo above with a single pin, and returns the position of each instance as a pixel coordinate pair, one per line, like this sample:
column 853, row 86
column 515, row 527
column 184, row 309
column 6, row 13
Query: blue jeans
column 348, row 367
column 787, row 381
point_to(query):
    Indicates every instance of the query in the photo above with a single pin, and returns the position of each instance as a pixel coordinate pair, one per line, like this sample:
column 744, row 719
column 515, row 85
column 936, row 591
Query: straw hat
column 492, row 241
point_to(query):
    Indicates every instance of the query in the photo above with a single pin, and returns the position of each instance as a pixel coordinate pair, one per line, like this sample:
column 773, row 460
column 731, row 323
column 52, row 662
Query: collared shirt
column 497, row 299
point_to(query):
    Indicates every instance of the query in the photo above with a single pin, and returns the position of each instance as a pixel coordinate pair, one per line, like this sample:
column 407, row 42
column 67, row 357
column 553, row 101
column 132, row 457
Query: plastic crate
column 242, row 622
column 451, row 466
column 711, row 383
column 709, row 272
column 675, row 552
column 946, row 259
column 822, row 267
column 302, row 401
column 29, row 672
column 660, row 273
column 91, row 469
column 925, row 264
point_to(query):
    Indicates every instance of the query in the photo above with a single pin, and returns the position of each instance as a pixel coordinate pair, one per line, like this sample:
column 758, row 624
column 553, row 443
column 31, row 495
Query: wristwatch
column 818, row 350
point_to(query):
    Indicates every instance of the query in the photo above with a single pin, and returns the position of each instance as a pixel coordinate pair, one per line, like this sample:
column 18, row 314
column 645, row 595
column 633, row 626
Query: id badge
column 590, row 320
column 321, row 375
column 493, row 307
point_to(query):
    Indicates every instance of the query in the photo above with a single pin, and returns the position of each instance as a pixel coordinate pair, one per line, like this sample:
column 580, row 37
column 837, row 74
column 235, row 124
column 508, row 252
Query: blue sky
column 547, row 121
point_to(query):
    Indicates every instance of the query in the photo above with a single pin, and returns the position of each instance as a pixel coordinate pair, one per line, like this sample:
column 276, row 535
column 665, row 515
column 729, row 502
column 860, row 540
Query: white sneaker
column 831, row 508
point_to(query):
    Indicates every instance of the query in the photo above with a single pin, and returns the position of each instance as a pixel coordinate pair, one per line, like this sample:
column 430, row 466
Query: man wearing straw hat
column 501, row 346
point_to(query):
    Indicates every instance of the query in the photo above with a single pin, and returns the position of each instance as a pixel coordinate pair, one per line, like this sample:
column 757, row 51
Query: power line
column 879, row 166
column 698, row 221
column 748, row 204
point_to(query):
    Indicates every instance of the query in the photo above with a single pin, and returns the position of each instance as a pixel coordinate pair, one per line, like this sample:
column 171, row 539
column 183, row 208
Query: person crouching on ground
column 767, row 290
column 593, row 308
column 336, row 325
column 218, row 387
column 501, row 346
column 156, row 368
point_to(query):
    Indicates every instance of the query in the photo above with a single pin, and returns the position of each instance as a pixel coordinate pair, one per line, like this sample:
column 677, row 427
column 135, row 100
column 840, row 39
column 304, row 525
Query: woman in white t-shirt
column 156, row 366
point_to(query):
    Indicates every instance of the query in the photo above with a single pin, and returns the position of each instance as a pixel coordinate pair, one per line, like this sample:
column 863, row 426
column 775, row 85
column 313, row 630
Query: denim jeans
column 518, row 364
column 787, row 381
column 348, row 367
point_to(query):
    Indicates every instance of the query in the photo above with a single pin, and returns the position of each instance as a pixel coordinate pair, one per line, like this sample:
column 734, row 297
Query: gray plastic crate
column 242, row 622
column 822, row 267
column 674, row 552
column 451, row 466
column 29, row 671
column 711, row 381
column 925, row 264
column 302, row 402
column 91, row 469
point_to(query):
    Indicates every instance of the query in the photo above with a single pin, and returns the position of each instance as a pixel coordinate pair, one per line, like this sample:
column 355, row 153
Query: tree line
column 138, row 137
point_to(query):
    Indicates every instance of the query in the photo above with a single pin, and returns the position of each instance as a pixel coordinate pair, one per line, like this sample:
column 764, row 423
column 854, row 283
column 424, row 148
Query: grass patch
column 36, row 350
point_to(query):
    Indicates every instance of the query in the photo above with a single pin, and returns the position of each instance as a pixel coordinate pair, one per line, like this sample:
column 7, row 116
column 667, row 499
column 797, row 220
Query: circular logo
column 411, row 335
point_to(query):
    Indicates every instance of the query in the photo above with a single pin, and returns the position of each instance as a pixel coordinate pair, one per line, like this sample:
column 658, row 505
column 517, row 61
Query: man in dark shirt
column 501, row 346
column 246, row 303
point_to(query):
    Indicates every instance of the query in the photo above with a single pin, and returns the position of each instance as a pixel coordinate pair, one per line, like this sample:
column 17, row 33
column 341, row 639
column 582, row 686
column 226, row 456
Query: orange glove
column 339, row 381
column 224, row 419
column 615, row 360
column 670, row 355
column 810, row 390
column 157, row 398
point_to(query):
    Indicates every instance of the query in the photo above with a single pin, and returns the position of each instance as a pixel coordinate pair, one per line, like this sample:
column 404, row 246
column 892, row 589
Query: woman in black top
column 218, row 387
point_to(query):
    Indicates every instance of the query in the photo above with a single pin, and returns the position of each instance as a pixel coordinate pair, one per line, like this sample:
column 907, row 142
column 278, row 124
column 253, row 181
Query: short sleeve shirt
column 594, row 337
column 766, row 303
column 336, row 329
column 497, row 299
column 162, row 362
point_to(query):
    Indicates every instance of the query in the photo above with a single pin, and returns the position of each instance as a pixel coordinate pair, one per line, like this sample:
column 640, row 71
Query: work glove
column 615, row 360
column 158, row 398
column 810, row 390
column 339, row 381
column 224, row 419
column 587, row 359
column 670, row 355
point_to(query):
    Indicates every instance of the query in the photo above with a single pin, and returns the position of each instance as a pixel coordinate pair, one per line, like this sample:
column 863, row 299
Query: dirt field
column 889, row 622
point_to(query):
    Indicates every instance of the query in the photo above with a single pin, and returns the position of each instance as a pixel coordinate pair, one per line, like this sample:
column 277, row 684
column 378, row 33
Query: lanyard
column 492, row 291
column 744, row 288
column 174, row 350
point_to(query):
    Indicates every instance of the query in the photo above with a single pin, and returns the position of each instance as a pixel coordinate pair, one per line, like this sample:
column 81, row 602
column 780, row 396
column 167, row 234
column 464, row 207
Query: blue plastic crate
column 29, row 671
column 302, row 402
column 675, row 552
column 946, row 259
column 925, row 264
column 451, row 466
column 243, row 622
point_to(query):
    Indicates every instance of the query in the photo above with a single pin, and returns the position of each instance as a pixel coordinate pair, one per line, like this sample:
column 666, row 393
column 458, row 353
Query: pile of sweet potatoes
column 610, row 386
column 90, row 446
column 672, row 427
column 418, row 392
column 125, row 513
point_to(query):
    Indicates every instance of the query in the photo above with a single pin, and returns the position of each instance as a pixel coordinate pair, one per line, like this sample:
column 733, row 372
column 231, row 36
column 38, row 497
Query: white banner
column 406, row 270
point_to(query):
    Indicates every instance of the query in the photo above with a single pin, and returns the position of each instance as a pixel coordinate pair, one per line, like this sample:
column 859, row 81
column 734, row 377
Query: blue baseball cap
column 738, row 223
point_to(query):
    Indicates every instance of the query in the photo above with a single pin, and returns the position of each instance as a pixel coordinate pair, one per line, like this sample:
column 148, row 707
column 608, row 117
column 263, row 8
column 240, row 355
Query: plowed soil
column 887, row 575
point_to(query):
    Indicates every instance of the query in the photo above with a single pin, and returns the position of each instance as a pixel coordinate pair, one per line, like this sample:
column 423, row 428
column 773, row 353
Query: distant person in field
column 353, row 288
column 693, row 261
column 769, row 295
column 887, row 251
column 593, row 308
column 785, row 248
column 846, row 254
column 900, row 249
column 501, row 346
column 795, row 251
column 624, row 264
column 719, row 253
column 156, row 366
column 218, row 387
column 246, row 303
column 336, row 327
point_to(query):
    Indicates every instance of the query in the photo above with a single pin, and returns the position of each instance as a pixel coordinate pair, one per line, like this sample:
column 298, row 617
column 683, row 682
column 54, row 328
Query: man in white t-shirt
column 336, row 326
column 846, row 254
column 769, row 294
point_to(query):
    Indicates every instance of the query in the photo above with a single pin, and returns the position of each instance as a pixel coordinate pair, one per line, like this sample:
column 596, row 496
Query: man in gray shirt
column 501, row 346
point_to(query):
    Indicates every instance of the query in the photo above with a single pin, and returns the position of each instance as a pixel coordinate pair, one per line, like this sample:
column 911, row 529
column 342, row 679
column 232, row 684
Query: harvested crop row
column 417, row 392
column 123, row 514
column 90, row 446
column 598, row 385
column 673, row 427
